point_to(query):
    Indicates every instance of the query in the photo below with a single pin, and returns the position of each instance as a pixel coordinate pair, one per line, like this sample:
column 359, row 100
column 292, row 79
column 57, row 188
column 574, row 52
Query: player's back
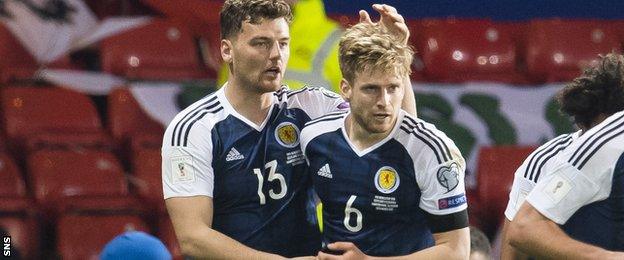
column 599, row 155
column 381, row 198
column 583, row 189
column 529, row 172
column 253, row 173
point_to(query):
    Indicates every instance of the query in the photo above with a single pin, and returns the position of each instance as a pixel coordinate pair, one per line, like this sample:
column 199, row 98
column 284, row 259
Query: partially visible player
column 576, row 209
column 390, row 184
column 233, row 173
column 480, row 247
column 525, row 178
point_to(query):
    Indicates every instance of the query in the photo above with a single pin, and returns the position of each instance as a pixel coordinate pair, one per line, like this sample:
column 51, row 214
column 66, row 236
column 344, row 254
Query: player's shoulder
column 328, row 123
column 202, row 114
column 598, row 144
column 532, row 167
column 285, row 93
column 306, row 97
column 414, row 133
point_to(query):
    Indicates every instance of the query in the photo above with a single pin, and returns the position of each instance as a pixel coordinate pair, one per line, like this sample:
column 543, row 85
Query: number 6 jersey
column 389, row 198
column 254, row 174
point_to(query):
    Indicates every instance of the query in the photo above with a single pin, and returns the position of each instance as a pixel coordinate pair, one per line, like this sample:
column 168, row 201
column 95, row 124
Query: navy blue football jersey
column 383, row 198
column 255, row 174
column 583, row 189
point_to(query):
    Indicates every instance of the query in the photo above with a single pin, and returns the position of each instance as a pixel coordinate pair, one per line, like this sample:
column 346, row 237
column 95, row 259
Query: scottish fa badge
column 287, row 134
column 387, row 180
column 448, row 177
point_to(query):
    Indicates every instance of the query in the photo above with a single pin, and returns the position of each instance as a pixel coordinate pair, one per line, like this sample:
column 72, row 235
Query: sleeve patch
column 557, row 188
column 448, row 177
column 452, row 202
column 183, row 169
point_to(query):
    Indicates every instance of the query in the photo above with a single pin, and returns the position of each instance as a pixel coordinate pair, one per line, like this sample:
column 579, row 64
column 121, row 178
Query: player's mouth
column 381, row 116
column 273, row 72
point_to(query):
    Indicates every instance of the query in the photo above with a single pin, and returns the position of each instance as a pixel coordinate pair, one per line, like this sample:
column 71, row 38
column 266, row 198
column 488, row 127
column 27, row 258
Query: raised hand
column 390, row 19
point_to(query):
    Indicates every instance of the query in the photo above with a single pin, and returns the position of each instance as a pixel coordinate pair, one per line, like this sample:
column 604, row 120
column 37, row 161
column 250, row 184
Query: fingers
column 364, row 17
column 341, row 246
column 324, row 256
column 389, row 12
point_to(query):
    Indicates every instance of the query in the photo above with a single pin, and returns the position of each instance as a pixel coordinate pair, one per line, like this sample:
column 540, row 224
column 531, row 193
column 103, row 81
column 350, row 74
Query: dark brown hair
column 599, row 90
column 235, row 12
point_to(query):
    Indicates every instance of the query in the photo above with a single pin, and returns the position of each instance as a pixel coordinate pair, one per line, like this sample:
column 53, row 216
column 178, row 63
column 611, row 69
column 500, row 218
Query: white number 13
column 272, row 166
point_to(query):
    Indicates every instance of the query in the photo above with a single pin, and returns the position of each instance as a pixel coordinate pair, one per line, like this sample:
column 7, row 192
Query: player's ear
column 346, row 89
column 226, row 50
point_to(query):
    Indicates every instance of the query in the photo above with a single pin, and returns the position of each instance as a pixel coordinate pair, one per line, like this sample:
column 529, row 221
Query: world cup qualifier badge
column 387, row 180
column 287, row 134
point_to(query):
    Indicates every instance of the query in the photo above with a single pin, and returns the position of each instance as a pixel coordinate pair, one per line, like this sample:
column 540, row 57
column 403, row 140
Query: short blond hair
column 367, row 47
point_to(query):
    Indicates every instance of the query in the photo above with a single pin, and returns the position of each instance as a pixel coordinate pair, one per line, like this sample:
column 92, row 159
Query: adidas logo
column 234, row 155
column 325, row 171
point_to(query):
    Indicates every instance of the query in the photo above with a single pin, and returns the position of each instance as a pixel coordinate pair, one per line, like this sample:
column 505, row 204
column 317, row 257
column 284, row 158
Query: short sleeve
column 186, row 172
column 560, row 193
column 442, row 188
column 519, row 191
column 187, row 166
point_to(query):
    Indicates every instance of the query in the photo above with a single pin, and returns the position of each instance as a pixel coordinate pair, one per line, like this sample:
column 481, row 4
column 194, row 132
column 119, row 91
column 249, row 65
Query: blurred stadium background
column 87, row 85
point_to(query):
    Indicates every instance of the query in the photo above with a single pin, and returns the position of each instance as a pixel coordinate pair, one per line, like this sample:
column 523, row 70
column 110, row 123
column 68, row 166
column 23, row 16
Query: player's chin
column 270, row 85
column 378, row 128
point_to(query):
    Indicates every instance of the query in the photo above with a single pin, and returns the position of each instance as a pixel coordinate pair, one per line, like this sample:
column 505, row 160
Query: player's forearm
column 544, row 239
column 409, row 100
column 509, row 252
column 206, row 243
column 449, row 245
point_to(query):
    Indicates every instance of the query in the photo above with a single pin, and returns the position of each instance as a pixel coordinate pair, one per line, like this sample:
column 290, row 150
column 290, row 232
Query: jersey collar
column 361, row 153
column 230, row 110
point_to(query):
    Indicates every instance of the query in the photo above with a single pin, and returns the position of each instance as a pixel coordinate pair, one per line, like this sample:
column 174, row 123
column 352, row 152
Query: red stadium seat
column 558, row 50
column 19, row 219
column 167, row 235
column 12, row 183
column 16, row 62
column 467, row 50
column 147, row 177
column 24, row 232
column 35, row 116
column 58, row 175
column 495, row 173
column 84, row 236
column 161, row 50
column 127, row 119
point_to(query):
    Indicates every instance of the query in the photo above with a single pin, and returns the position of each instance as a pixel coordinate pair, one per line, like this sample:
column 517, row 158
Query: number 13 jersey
column 254, row 174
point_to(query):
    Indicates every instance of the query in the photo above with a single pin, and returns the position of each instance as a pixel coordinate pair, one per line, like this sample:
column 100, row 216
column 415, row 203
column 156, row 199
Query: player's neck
column 253, row 105
column 360, row 137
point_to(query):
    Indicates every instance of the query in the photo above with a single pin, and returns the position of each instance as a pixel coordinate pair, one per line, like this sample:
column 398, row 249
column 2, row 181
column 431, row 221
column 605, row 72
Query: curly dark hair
column 598, row 91
column 235, row 12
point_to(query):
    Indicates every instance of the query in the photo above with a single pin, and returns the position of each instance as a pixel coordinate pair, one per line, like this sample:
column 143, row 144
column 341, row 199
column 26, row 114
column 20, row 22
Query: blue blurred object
column 135, row 245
